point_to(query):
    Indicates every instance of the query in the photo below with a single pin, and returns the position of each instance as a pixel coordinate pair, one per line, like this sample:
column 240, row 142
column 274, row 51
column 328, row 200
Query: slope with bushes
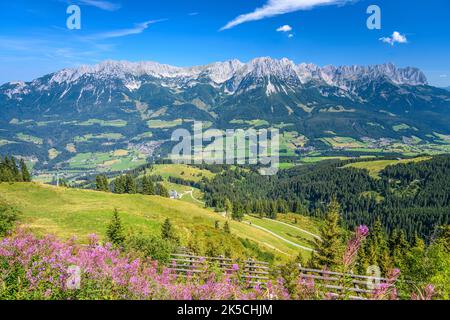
column 72, row 212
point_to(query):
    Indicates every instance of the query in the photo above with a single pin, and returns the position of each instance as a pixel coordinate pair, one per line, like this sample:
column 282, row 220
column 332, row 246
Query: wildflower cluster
column 32, row 268
column 47, row 268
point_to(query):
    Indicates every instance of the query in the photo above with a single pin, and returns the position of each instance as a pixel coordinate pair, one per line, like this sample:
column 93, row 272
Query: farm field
column 29, row 138
column 160, row 124
column 315, row 159
column 102, row 136
column 253, row 123
column 142, row 136
column 402, row 127
column 117, row 160
column 53, row 153
column 290, row 142
column 4, row 142
column 104, row 123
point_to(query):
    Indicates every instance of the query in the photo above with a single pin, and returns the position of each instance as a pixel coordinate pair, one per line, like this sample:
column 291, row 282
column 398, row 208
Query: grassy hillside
column 182, row 171
column 68, row 212
column 375, row 167
column 287, row 231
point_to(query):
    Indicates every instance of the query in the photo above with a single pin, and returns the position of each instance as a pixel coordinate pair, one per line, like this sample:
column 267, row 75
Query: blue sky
column 34, row 38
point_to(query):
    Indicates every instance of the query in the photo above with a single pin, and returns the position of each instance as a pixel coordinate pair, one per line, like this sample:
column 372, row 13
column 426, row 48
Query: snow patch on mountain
column 232, row 77
column 222, row 72
column 270, row 89
column 16, row 88
column 133, row 85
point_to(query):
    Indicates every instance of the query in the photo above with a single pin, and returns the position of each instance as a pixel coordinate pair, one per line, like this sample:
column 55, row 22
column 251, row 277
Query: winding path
column 280, row 237
column 191, row 193
column 297, row 228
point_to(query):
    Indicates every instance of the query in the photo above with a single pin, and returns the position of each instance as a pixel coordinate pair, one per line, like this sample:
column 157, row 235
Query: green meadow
column 73, row 212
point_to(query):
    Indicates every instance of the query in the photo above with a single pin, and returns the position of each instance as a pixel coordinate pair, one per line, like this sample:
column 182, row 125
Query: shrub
column 8, row 217
column 152, row 247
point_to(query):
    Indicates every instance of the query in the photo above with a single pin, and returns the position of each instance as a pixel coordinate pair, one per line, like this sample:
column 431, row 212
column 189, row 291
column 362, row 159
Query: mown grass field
column 287, row 231
column 180, row 171
column 160, row 124
column 73, row 212
column 104, row 123
column 375, row 167
column 343, row 143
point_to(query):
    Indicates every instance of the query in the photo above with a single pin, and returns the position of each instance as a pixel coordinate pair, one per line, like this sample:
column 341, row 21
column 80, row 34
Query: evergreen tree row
column 412, row 197
column 13, row 171
column 419, row 263
column 127, row 184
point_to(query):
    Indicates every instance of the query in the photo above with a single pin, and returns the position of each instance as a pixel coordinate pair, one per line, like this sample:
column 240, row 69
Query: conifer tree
column 101, row 182
column 167, row 231
column 376, row 249
column 228, row 207
column 130, row 185
column 26, row 176
column 119, row 185
column 328, row 251
column 162, row 191
column 147, row 186
column 6, row 171
column 115, row 231
column 444, row 237
column 237, row 213
column 298, row 208
column 273, row 210
column 15, row 170
column 399, row 247
column 226, row 228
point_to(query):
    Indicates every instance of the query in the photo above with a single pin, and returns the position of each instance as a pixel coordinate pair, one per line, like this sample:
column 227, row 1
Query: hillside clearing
column 72, row 212
column 375, row 167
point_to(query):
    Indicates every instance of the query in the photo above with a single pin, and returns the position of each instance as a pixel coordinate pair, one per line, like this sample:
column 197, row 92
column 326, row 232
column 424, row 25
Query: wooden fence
column 334, row 284
column 352, row 286
column 252, row 271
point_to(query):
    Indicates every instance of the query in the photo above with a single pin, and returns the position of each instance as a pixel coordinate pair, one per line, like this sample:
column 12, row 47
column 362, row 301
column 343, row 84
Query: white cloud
column 101, row 4
column 138, row 28
column 193, row 14
column 396, row 37
column 277, row 7
column 285, row 28
column 443, row 76
column 290, row 35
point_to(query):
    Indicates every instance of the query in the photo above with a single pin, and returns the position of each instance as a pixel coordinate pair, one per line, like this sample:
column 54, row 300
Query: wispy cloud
column 285, row 28
column 396, row 37
column 46, row 49
column 278, row 7
column 101, row 4
column 193, row 14
column 137, row 29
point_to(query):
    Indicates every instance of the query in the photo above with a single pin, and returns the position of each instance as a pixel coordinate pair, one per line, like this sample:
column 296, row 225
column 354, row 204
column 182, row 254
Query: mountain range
column 115, row 103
